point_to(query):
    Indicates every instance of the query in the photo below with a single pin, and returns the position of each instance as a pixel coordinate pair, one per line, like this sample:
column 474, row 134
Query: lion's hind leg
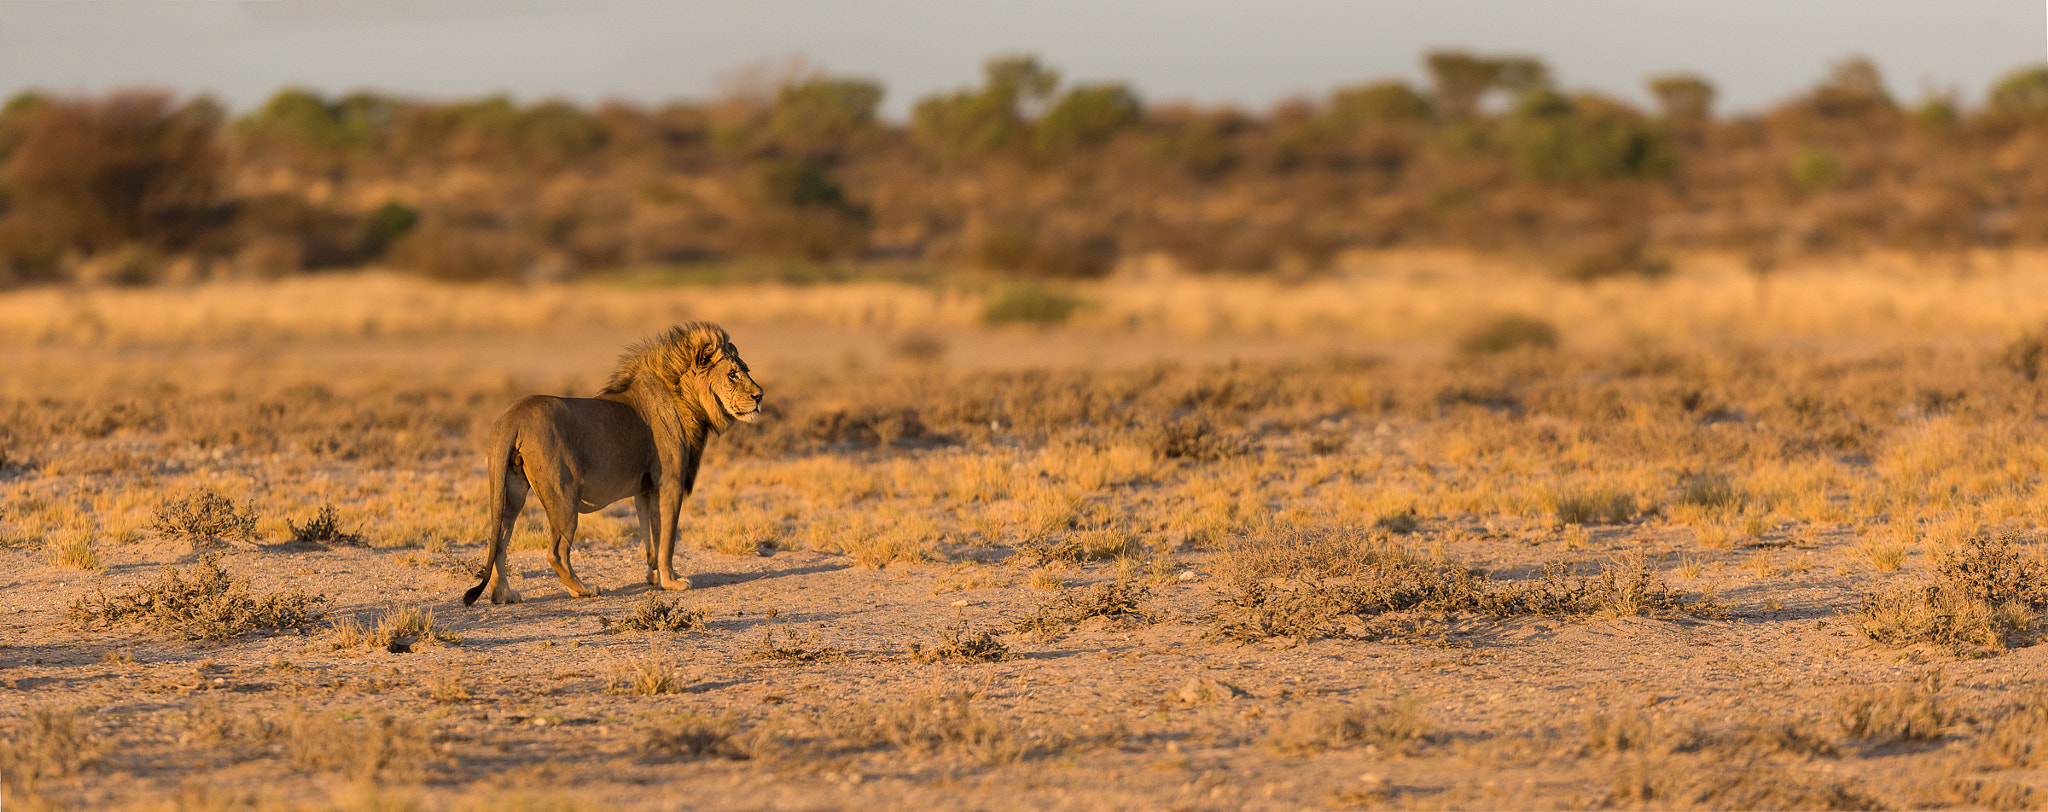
column 514, row 493
column 562, row 521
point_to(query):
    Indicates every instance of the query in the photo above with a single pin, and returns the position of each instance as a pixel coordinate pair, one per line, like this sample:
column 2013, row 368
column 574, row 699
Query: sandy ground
column 534, row 706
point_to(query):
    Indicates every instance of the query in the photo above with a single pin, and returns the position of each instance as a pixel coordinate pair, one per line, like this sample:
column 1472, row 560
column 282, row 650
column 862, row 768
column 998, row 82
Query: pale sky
column 1758, row 52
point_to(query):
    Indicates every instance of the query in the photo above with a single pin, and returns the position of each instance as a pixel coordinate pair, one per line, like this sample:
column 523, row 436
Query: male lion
column 643, row 437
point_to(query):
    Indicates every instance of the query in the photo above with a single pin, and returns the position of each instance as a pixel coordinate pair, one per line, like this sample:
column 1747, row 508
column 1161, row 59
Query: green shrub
column 1087, row 116
column 1031, row 304
column 1506, row 333
column 1559, row 140
column 2022, row 92
column 1815, row 169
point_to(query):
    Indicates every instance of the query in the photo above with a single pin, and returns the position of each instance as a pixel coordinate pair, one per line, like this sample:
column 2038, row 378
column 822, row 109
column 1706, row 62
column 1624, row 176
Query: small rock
column 1204, row 689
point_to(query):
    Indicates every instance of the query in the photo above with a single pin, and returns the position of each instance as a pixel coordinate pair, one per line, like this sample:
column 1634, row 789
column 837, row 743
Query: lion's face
column 733, row 386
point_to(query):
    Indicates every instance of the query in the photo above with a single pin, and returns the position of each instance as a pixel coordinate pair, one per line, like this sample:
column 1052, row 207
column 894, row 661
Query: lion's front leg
column 664, row 575
column 646, row 505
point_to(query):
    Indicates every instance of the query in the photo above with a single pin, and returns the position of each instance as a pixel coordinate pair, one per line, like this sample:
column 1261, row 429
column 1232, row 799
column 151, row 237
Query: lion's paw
column 675, row 584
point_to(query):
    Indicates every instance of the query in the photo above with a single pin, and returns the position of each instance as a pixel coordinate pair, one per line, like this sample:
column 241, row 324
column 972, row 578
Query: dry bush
column 1636, row 732
column 1987, row 594
column 204, row 517
column 1119, row 599
column 204, row 602
column 792, row 649
column 1674, row 783
column 324, row 528
column 695, row 737
column 2017, row 736
column 2027, row 354
column 1194, row 438
column 375, row 746
column 1763, row 735
column 1398, row 726
column 1899, row 714
column 945, row 724
column 1033, row 305
column 1309, row 604
column 959, row 645
column 48, row 743
column 657, row 614
column 1507, row 333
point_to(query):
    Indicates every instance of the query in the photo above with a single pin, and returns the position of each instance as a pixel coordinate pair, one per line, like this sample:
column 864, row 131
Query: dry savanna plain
column 1432, row 532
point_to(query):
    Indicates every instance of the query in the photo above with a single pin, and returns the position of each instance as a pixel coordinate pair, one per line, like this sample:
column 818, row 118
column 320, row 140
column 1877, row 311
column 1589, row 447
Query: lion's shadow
column 703, row 580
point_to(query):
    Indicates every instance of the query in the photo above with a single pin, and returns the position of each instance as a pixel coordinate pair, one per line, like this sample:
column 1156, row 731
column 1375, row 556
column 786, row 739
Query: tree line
column 1024, row 174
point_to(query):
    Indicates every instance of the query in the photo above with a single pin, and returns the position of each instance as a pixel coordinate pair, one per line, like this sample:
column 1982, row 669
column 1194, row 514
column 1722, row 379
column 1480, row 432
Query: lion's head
column 698, row 363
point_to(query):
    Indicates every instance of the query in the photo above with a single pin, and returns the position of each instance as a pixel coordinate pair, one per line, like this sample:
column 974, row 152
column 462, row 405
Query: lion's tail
column 504, row 445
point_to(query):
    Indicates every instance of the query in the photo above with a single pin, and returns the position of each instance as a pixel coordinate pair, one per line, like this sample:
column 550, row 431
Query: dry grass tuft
column 1636, row 732
column 695, row 737
column 938, row 724
column 205, row 518
column 649, row 678
column 49, row 743
column 958, row 645
column 1584, row 505
column 1671, row 783
column 1397, row 726
column 1713, row 492
column 448, row 687
column 397, row 630
column 657, row 614
column 204, row 602
column 2017, row 736
column 375, row 746
column 1899, row 714
column 74, row 550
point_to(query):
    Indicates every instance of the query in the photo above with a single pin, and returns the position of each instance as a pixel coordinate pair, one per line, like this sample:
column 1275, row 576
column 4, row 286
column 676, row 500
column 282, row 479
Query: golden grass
column 1396, row 296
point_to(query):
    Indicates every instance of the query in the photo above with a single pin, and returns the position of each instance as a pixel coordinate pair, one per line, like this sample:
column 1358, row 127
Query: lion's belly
column 596, row 496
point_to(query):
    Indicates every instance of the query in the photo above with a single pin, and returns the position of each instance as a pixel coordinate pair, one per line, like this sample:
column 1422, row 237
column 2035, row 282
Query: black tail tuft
column 474, row 592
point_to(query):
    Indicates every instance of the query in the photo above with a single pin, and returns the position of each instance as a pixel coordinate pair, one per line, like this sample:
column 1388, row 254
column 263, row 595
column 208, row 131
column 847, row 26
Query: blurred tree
column 972, row 122
column 821, row 115
column 1565, row 140
column 1086, row 117
column 1376, row 102
column 1853, row 89
column 129, row 168
column 1460, row 80
column 1687, row 99
column 2022, row 92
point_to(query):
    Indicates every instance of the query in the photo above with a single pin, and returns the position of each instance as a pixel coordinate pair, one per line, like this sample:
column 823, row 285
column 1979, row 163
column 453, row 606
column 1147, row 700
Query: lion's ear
column 704, row 356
